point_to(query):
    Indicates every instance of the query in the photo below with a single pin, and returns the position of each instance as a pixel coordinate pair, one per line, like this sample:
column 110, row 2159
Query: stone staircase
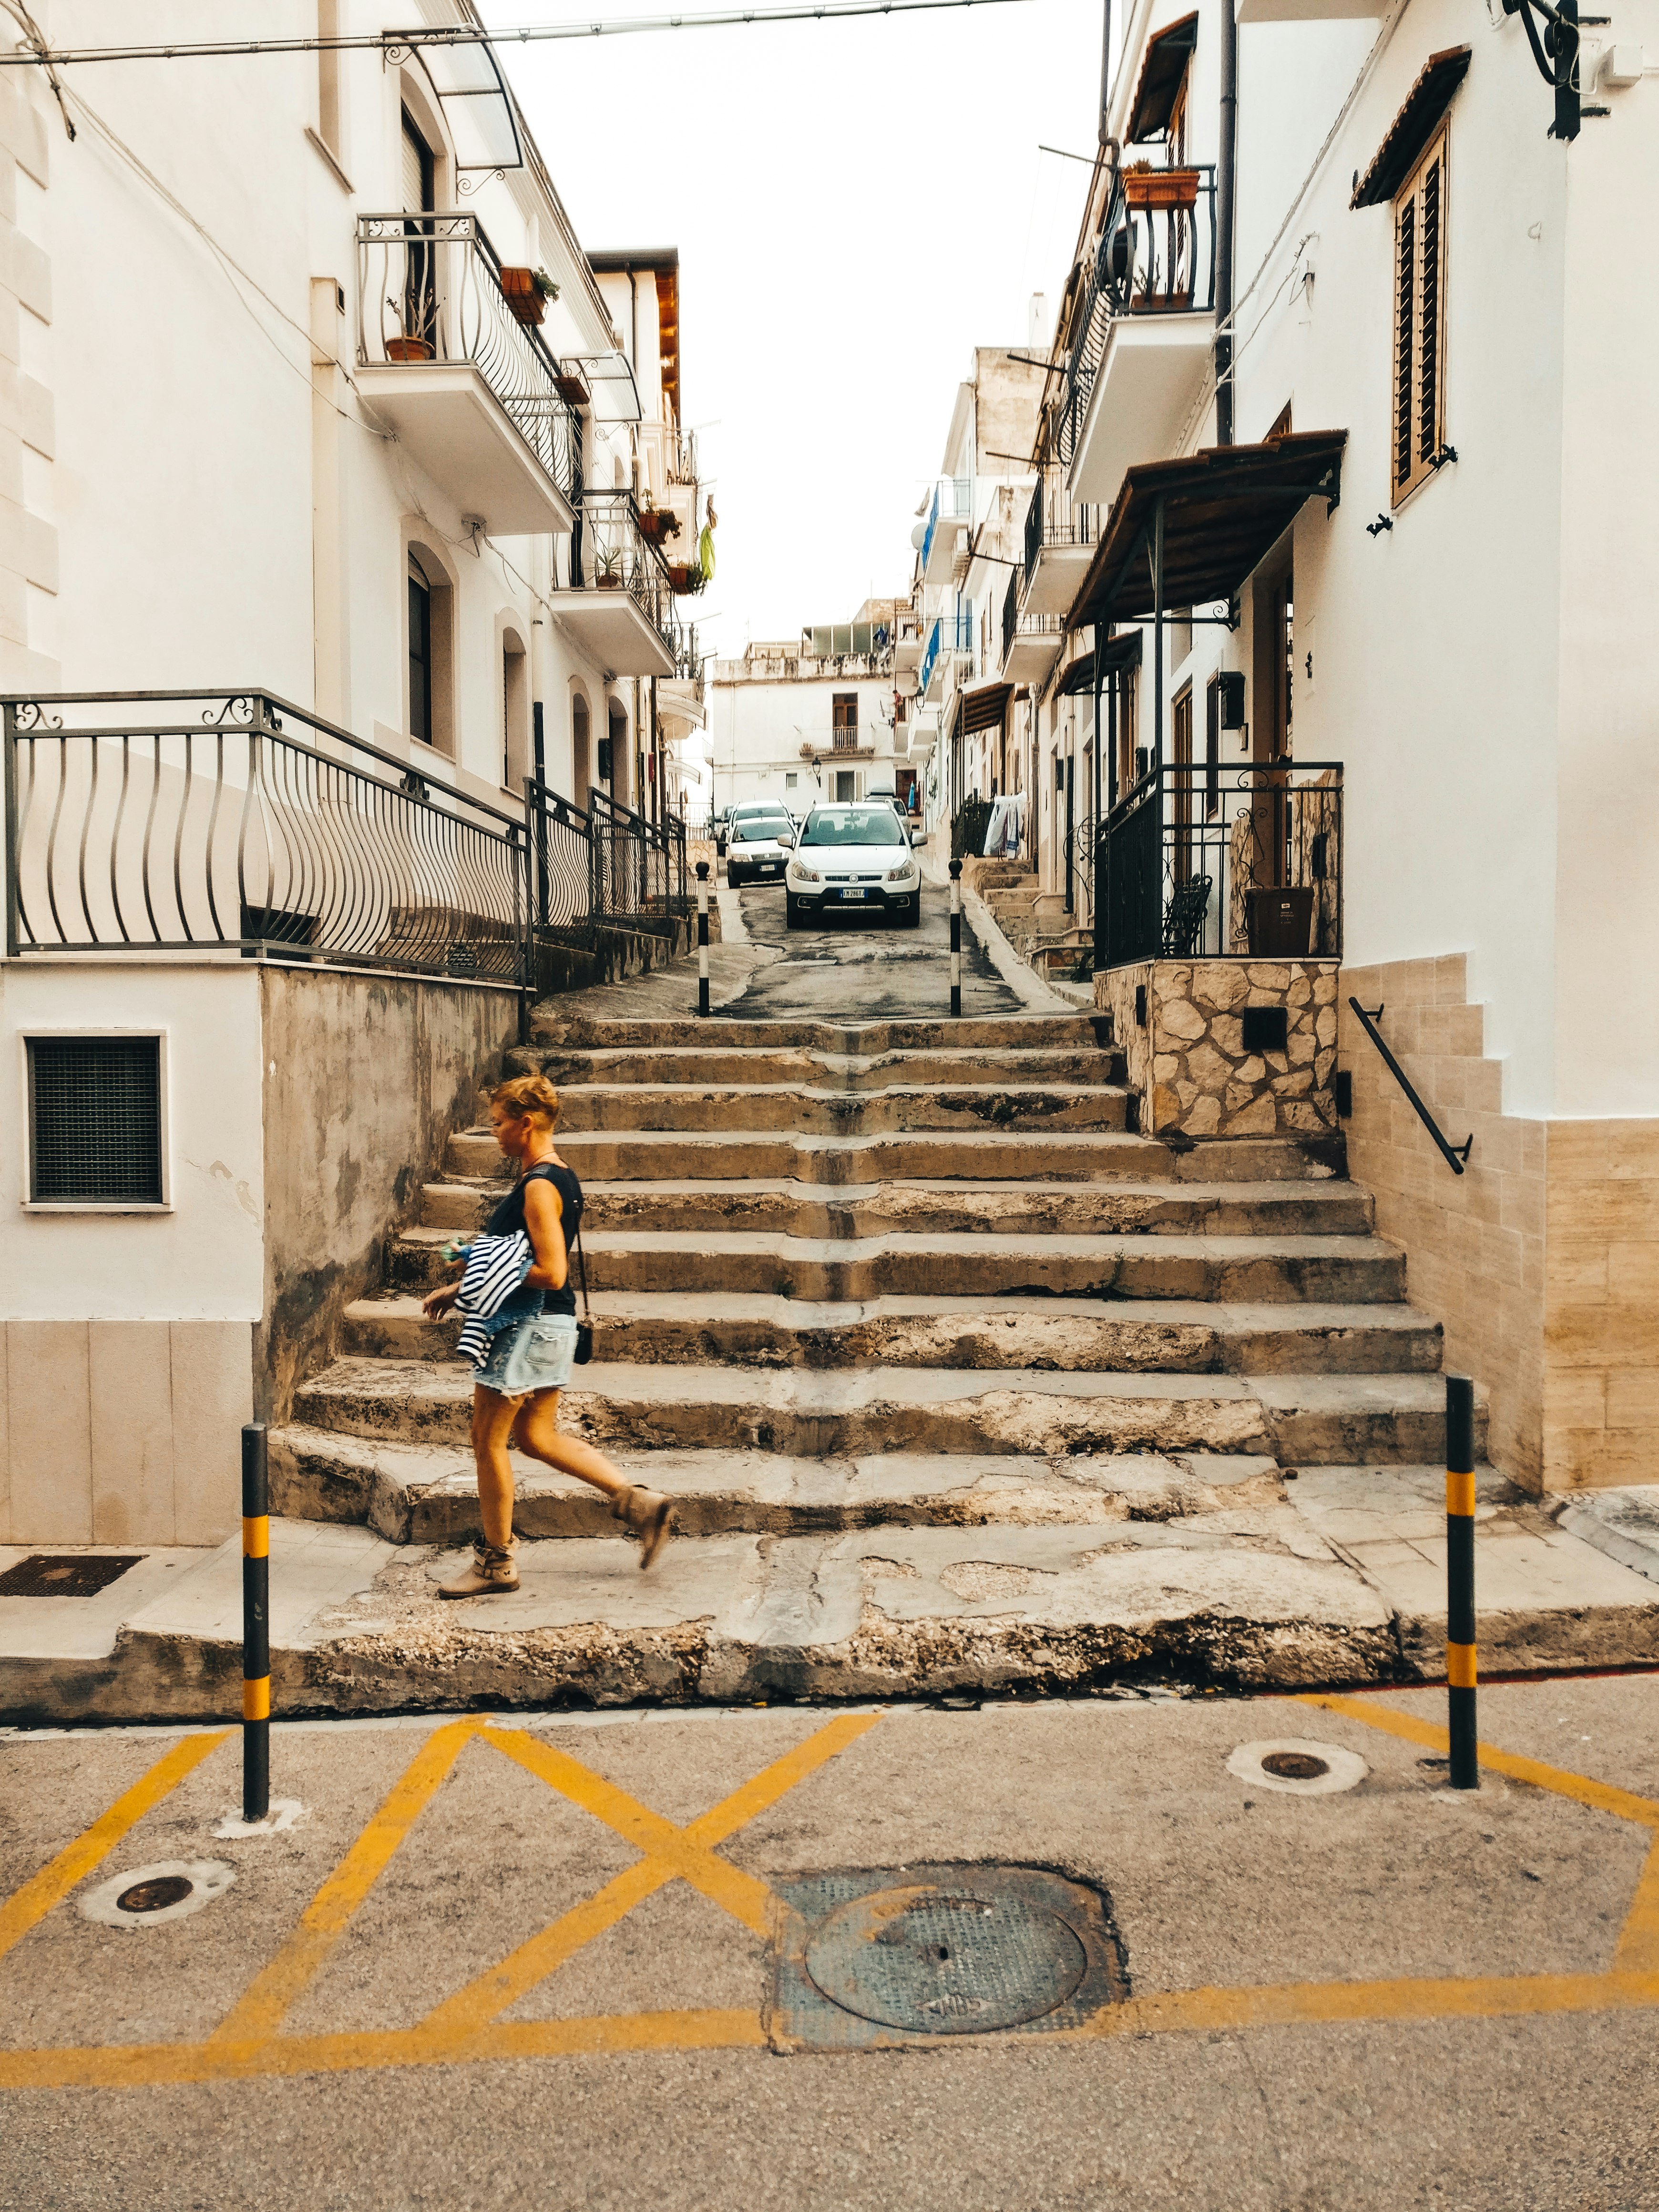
column 991, row 1387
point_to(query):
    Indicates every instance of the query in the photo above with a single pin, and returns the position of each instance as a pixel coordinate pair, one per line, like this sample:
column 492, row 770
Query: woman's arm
column 543, row 1211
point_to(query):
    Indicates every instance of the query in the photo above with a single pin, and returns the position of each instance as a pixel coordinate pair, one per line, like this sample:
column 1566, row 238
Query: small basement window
column 95, row 1134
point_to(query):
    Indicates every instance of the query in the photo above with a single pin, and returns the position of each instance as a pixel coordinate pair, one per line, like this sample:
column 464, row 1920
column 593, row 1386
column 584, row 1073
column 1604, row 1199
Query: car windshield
column 859, row 825
column 755, row 828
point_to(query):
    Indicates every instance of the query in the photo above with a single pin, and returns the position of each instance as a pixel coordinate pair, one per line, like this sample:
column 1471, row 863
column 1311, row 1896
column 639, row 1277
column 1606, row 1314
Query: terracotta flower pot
column 407, row 349
column 684, row 577
column 657, row 524
column 609, row 583
column 571, row 390
column 1160, row 188
column 524, row 296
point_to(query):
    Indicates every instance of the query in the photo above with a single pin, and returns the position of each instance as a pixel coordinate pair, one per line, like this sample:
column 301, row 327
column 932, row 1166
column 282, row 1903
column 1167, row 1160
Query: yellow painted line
column 150, row 2065
column 42, row 1890
column 1637, row 1951
column 261, row 2009
column 492, row 1993
column 1601, row 1796
column 741, row 1895
column 1181, row 2012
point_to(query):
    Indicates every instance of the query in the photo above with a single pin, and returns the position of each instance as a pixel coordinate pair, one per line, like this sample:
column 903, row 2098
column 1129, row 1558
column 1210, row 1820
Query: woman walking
column 531, row 1349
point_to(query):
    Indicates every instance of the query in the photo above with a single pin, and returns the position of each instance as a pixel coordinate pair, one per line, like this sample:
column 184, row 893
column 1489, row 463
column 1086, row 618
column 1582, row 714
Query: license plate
column 852, row 894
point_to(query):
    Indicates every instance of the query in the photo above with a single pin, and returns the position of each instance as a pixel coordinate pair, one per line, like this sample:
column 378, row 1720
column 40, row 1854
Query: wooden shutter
column 1418, row 379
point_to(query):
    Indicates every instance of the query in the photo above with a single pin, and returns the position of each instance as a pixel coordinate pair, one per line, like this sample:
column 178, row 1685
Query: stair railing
column 1455, row 1156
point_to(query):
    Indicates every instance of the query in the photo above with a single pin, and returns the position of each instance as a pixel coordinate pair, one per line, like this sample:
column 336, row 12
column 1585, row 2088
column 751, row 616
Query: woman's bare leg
column 536, row 1431
column 492, row 1426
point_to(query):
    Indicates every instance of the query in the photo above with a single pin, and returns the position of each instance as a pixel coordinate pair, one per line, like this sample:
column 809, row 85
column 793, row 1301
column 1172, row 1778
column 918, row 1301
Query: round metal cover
column 945, row 1962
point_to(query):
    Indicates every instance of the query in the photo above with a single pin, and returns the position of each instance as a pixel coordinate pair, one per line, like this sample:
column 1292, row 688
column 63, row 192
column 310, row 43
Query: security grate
column 95, row 1120
column 45, row 1574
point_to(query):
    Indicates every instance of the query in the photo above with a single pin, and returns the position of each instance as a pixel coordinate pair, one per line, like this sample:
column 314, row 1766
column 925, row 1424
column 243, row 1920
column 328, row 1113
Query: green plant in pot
column 527, row 292
column 608, row 568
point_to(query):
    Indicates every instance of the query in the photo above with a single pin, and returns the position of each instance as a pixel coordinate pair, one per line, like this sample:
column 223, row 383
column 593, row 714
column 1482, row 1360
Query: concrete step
column 1317, row 1418
column 427, row 1493
column 792, row 1208
column 551, row 1023
column 798, row 1069
column 1076, row 1156
column 1341, row 1270
column 724, row 1108
column 1152, row 1336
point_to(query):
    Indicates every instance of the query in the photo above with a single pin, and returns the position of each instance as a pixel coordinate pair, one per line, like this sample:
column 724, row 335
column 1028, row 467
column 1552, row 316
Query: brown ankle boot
column 649, row 1515
column 492, row 1574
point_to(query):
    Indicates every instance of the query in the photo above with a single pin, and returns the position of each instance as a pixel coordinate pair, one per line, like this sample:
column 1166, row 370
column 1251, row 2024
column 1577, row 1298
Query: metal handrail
column 1455, row 1156
column 1043, row 524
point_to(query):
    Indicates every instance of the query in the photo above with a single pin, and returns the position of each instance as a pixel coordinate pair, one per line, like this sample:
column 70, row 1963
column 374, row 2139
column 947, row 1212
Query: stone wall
column 1185, row 1046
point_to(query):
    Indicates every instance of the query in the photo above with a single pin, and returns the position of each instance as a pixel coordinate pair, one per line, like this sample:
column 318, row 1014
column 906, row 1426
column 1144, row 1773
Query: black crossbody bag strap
column 581, row 1270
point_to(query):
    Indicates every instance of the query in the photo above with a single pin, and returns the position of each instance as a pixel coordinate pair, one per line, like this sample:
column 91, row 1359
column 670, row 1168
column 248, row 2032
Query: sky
column 857, row 205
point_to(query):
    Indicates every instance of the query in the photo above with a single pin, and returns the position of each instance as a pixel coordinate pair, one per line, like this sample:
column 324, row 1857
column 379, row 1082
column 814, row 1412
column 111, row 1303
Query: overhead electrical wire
column 467, row 35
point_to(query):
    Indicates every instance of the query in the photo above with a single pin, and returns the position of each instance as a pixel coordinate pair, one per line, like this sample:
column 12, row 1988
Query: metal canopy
column 1204, row 522
column 982, row 707
column 468, row 85
column 1116, row 654
column 1413, row 128
column 612, row 393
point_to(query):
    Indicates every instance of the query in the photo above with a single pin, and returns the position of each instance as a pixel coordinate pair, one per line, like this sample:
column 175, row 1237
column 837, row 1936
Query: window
column 515, row 713
column 420, row 654
column 328, row 75
column 1419, row 321
column 844, row 716
column 790, row 779
column 95, row 1120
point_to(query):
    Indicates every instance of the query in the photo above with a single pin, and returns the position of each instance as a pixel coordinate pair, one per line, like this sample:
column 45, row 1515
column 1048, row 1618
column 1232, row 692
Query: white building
column 817, row 719
column 1369, row 586
column 355, row 543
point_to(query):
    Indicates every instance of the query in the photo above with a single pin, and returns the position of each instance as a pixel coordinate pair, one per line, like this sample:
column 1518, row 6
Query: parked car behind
column 759, row 846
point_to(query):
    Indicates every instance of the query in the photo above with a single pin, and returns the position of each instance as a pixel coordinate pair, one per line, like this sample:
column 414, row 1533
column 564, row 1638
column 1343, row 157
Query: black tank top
column 509, row 1216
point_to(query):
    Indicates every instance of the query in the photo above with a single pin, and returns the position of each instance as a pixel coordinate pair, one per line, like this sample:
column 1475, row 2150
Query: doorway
column 845, row 779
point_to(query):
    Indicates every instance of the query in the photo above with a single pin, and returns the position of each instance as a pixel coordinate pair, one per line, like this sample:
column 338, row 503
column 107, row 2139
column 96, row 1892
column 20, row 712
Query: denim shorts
column 536, row 1355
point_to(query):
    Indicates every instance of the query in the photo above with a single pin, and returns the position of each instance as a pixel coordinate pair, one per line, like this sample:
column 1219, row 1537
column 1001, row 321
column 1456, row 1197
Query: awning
column 1117, row 653
column 472, row 94
column 1413, row 128
column 1161, row 73
column 612, row 393
column 1223, row 509
column 982, row 707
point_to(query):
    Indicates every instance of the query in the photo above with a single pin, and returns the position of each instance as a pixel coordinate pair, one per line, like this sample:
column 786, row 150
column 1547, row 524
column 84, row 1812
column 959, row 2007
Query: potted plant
column 408, row 348
column 571, row 385
column 658, row 524
column 1145, row 186
column 527, row 292
column 685, row 577
column 607, row 569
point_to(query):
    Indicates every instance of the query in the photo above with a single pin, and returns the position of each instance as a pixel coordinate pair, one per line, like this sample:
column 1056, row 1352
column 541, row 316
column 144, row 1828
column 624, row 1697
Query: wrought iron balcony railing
column 1204, row 862
column 429, row 289
column 1053, row 519
column 1016, row 625
column 953, row 633
column 609, row 552
column 1156, row 257
column 953, row 501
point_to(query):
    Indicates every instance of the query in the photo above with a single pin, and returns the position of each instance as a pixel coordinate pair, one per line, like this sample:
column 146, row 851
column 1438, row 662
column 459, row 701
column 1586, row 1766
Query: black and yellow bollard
column 702, row 937
column 1465, row 1767
column 256, row 1624
column 955, row 936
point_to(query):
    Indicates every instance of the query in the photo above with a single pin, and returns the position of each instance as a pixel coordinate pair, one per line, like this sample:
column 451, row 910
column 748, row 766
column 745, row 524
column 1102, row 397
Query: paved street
column 862, row 967
column 556, row 1961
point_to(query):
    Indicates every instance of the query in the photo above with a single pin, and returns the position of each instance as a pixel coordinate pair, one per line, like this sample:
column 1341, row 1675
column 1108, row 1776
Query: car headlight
column 899, row 875
column 805, row 874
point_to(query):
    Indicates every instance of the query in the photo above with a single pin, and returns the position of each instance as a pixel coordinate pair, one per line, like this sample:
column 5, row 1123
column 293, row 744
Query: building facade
column 813, row 720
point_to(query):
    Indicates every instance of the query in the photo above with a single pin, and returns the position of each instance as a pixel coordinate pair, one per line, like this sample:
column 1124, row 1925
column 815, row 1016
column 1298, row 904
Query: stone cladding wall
column 1187, row 1059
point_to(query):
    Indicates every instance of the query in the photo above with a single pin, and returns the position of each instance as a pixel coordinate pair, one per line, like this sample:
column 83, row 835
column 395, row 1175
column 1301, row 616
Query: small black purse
column 585, row 1326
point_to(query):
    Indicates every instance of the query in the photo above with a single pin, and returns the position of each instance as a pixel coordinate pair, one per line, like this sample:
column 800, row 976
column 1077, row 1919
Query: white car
column 851, row 859
column 758, row 846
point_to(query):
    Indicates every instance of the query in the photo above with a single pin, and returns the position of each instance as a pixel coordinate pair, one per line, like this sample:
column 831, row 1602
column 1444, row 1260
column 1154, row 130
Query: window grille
column 1419, row 321
column 95, row 1120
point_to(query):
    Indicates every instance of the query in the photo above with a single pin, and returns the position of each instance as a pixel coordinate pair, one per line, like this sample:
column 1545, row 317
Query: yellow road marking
column 42, row 1890
column 1637, row 1951
column 1601, row 1796
column 491, row 1993
column 262, row 2007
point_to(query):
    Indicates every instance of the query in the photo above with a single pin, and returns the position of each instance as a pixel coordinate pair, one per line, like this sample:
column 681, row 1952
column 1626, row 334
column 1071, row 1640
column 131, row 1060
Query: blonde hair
column 528, row 1094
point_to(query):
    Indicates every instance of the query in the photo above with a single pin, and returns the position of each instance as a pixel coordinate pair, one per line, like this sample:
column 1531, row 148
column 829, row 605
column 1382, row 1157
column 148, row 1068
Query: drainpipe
column 1105, row 67
column 1226, row 172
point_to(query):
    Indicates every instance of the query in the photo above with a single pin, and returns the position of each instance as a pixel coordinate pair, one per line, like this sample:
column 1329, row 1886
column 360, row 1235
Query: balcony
column 953, row 633
column 1031, row 642
column 1059, row 537
column 681, row 697
column 1144, row 333
column 618, row 606
column 907, row 645
column 469, row 388
column 952, row 509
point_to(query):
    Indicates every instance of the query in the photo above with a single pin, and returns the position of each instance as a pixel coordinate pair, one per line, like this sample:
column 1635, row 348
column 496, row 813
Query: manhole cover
column 156, row 1896
column 872, row 1956
column 1294, row 1766
column 46, row 1574
column 1298, row 1767
column 943, row 1962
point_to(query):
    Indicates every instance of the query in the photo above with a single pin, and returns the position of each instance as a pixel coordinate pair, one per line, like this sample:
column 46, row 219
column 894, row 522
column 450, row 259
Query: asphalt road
column 1377, row 1999
column 855, row 967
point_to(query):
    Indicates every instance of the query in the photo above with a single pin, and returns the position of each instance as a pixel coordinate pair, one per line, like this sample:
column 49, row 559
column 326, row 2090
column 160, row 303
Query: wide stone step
column 1343, row 1270
column 428, row 1493
column 792, row 1208
column 1319, row 1419
column 1076, row 1156
column 798, row 1069
column 1144, row 1337
column 819, row 1112
column 551, row 1024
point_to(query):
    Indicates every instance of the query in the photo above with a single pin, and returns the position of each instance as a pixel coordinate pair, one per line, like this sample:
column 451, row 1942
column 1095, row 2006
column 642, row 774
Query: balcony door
column 844, row 720
column 420, row 184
